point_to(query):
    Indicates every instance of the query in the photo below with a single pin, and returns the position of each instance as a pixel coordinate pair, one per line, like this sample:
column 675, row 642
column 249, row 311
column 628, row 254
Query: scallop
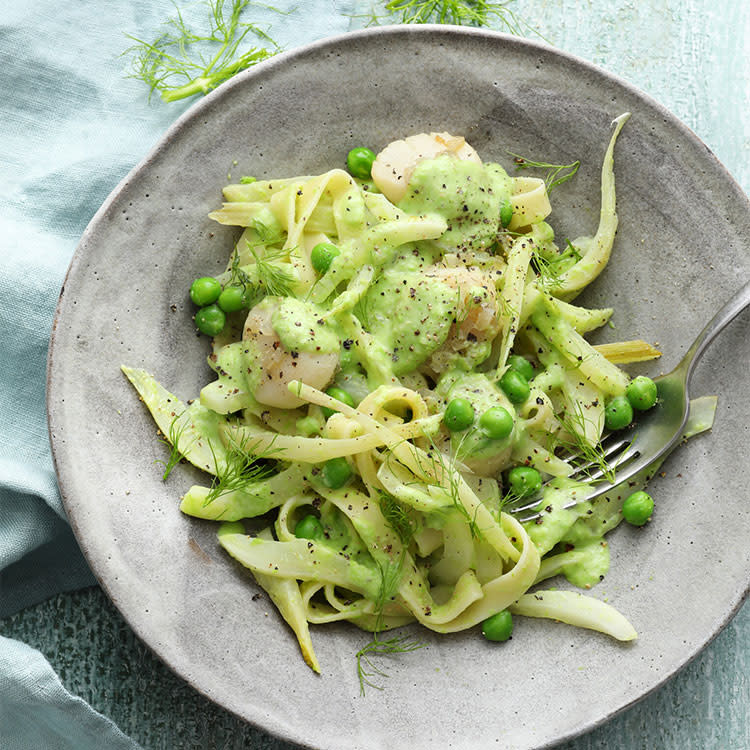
column 394, row 165
column 278, row 365
column 477, row 319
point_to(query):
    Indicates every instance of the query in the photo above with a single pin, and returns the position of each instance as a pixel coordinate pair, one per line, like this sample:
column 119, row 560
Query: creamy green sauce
column 238, row 375
column 410, row 314
column 591, row 563
column 578, row 531
column 301, row 327
column 468, row 195
column 556, row 519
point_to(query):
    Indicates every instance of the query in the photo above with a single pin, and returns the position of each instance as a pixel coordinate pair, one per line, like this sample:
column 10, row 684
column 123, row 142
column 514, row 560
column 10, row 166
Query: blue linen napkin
column 71, row 127
column 36, row 711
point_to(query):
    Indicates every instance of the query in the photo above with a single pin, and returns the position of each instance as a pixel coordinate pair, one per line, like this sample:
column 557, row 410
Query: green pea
column 336, row 473
column 498, row 627
column 497, row 423
column 521, row 364
column 515, row 386
column 524, row 480
column 618, row 413
column 506, row 212
column 231, row 299
column 359, row 162
column 641, row 393
column 459, row 414
column 210, row 320
column 340, row 395
column 637, row 508
column 309, row 527
column 205, row 290
column 322, row 255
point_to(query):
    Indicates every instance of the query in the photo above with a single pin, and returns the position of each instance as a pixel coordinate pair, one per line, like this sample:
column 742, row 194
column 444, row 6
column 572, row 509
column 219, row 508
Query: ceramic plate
column 681, row 250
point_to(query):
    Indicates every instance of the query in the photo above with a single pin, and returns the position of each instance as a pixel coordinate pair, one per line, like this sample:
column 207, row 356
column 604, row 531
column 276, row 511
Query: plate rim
column 193, row 112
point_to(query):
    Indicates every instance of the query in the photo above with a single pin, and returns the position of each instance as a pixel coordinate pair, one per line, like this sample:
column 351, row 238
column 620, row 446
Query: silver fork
column 628, row 452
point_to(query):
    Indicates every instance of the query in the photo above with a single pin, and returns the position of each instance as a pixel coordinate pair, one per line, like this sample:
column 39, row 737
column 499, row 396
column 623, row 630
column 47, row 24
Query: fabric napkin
column 71, row 127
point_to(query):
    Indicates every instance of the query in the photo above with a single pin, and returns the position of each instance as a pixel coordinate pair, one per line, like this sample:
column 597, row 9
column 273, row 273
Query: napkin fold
column 36, row 711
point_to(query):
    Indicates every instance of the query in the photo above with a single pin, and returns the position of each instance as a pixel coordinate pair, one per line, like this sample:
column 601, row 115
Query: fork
column 657, row 431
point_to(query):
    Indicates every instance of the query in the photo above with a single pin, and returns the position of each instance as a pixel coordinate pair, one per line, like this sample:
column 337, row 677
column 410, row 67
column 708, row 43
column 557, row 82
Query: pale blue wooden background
column 687, row 54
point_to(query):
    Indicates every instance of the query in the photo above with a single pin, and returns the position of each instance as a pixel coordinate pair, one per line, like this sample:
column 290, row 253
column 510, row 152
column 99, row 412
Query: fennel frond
column 556, row 173
column 367, row 670
column 549, row 267
column 397, row 517
column 172, row 440
column 183, row 62
column 456, row 12
column 275, row 279
column 244, row 465
column 586, row 457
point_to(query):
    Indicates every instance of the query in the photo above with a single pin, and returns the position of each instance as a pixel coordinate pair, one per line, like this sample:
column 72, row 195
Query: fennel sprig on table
column 455, row 12
column 183, row 62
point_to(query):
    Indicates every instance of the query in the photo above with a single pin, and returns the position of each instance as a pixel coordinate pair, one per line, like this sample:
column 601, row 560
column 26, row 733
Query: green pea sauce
column 468, row 195
column 410, row 314
column 301, row 327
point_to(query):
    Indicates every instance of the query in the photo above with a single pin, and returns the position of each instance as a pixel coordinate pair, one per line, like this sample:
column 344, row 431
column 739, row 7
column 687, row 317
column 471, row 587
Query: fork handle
column 739, row 301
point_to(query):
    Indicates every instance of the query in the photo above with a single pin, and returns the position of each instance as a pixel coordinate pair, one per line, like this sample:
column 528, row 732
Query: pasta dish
column 398, row 360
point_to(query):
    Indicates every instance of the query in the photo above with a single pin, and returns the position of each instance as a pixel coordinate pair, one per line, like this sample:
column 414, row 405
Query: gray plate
column 681, row 250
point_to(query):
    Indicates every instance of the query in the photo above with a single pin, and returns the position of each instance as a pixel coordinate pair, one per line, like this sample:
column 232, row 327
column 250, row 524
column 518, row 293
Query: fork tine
column 624, row 458
column 615, row 445
column 627, row 456
column 616, row 449
column 610, row 444
column 532, row 503
column 611, row 449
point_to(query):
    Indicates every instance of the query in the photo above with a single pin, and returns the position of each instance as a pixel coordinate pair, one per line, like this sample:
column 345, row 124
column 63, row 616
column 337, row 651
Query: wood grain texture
column 687, row 54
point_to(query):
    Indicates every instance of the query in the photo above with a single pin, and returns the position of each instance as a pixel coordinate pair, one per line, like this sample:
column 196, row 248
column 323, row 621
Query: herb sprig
column 176, row 430
column 556, row 173
column 550, row 268
column 183, row 62
column 403, row 525
column 508, row 500
column 244, row 464
column 456, row 12
column 275, row 279
column 444, row 467
column 398, row 518
column 585, row 456
column 270, row 278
